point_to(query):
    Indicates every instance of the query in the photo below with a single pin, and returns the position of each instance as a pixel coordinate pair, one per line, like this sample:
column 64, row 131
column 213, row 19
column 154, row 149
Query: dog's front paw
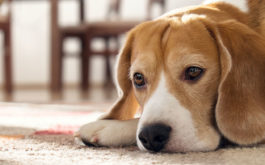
column 108, row 133
column 89, row 133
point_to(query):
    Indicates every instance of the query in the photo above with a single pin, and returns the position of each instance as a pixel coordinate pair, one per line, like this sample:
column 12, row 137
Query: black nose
column 155, row 136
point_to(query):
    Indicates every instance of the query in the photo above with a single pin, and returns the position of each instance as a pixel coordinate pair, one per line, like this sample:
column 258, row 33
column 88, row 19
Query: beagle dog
column 196, row 75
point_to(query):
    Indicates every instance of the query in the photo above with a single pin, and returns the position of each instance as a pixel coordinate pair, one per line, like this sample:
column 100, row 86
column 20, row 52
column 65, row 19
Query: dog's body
column 196, row 74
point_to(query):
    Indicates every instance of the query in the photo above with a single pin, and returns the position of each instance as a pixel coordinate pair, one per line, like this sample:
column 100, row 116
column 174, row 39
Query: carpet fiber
column 42, row 134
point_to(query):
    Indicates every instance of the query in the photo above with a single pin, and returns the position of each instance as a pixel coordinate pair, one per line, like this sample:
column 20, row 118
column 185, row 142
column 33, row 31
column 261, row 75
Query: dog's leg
column 112, row 133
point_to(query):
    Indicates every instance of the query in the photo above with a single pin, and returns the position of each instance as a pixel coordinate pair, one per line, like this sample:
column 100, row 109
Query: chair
column 86, row 32
column 107, row 30
column 5, row 27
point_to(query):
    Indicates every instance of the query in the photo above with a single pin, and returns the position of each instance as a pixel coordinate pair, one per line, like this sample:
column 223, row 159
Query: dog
column 196, row 75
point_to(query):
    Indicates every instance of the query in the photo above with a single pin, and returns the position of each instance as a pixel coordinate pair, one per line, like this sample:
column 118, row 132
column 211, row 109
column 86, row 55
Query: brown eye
column 193, row 73
column 139, row 80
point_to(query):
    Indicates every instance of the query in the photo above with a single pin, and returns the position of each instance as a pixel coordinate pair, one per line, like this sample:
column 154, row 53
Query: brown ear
column 127, row 105
column 240, row 109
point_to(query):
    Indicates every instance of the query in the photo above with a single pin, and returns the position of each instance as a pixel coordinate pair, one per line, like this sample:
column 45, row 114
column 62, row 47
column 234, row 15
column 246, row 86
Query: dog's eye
column 193, row 73
column 138, row 80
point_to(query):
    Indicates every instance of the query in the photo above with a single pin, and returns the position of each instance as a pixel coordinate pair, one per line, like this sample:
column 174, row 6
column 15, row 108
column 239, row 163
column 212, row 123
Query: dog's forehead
column 162, row 42
column 190, row 40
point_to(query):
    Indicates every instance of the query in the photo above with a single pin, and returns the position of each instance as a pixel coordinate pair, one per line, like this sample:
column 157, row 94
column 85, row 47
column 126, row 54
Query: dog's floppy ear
column 126, row 105
column 240, row 108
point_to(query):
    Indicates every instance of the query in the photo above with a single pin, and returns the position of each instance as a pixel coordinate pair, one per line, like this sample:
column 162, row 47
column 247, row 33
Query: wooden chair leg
column 8, row 62
column 57, row 69
column 108, row 80
column 85, row 51
column 60, row 64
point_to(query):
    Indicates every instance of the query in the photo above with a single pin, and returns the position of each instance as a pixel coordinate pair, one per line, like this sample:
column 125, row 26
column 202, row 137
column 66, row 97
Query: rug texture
column 42, row 135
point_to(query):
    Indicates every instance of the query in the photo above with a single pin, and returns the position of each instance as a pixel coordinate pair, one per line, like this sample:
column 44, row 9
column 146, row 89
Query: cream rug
column 41, row 134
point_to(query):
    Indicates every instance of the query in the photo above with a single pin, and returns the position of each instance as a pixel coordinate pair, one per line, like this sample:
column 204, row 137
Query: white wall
column 31, row 36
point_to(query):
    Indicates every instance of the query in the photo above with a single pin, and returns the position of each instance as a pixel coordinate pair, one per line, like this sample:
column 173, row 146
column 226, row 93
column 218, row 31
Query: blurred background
column 63, row 51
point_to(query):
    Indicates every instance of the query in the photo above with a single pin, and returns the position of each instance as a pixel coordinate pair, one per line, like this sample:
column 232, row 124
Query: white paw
column 108, row 133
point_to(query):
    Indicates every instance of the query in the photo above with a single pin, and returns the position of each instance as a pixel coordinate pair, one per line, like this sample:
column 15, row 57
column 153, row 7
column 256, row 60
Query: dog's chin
column 176, row 146
column 184, row 149
column 174, row 149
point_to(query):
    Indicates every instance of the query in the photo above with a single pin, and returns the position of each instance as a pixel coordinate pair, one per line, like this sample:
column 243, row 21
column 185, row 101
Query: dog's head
column 194, row 81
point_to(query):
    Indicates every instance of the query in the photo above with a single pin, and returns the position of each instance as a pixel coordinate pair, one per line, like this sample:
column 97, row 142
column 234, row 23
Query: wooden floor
column 69, row 95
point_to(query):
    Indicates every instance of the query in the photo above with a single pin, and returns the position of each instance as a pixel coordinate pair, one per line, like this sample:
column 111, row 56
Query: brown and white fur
column 226, row 38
